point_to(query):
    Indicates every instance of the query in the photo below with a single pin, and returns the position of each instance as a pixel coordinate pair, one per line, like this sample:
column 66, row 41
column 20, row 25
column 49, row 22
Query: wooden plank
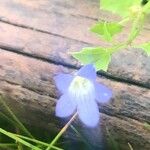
column 66, row 31
column 75, row 8
column 28, row 85
column 135, row 65
column 38, row 76
column 63, row 16
column 78, row 8
column 35, row 75
column 29, row 88
column 53, row 21
column 58, row 20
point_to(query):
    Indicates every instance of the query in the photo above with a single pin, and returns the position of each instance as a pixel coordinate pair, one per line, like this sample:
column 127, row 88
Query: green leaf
column 98, row 56
column 145, row 47
column 106, row 29
column 103, row 63
column 119, row 7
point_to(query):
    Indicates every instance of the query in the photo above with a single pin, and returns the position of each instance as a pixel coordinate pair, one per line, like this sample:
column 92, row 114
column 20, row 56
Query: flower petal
column 103, row 93
column 63, row 81
column 65, row 106
column 88, row 72
column 88, row 111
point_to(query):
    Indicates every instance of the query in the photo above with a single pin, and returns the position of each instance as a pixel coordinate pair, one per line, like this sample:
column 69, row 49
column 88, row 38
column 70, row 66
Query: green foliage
column 106, row 29
column 18, row 139
column 98, row 56
column 24, row 141
column 14, row 120
column 145, row 47
column 132, row 11
column 119, row 7
column 20, row 142
column 137, row 25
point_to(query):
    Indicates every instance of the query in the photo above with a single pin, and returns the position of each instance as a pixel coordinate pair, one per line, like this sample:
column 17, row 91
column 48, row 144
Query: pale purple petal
column 65, row 106
column 103, row 93
column 63, row 81
column 88, row 111
column 88, row 72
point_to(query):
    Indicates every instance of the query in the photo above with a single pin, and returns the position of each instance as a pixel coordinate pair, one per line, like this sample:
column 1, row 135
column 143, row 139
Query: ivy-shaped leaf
column 106, row 29
column 97, row 56
column 120, row 7
column 145, row 47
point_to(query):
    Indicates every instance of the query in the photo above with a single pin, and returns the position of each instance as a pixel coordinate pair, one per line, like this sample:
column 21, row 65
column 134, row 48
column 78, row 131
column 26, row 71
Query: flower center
column 81, row 86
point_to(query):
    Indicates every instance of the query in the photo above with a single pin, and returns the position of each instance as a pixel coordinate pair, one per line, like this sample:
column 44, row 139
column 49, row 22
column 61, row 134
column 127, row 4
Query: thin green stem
column 136, row 27
column 130, row 146
column 20, row 147
column 18, row 139
column 37, row 141
column 18, row 123
column 117, row 47
column 135, row 30
column 61, row 132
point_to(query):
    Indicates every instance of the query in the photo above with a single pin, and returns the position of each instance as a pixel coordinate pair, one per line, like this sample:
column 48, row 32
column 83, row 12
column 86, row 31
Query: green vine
column 131, row 11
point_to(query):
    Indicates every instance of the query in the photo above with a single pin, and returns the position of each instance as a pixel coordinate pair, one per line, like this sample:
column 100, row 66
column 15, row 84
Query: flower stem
column 61, row 132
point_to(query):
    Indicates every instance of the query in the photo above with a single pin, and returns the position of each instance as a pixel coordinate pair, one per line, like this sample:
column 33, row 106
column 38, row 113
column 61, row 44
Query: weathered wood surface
column 35, row 39
column 29, row 85
column 62, row 20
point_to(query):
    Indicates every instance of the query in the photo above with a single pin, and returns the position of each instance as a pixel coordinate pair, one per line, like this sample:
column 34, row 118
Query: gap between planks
column 101, row 73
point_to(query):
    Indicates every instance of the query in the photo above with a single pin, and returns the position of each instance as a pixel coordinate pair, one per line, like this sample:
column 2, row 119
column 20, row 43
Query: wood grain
column 28, row 86
column 50, row 29
column 35, row 41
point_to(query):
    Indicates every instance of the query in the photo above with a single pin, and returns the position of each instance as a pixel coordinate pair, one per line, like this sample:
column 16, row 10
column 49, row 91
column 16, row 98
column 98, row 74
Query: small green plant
column 131, row 11
column 19, row 142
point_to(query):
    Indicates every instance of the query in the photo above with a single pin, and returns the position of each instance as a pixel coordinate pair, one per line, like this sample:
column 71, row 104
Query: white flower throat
column 81, row 86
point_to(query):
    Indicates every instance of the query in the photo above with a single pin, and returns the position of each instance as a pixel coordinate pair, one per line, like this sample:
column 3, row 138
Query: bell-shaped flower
column 80, row 93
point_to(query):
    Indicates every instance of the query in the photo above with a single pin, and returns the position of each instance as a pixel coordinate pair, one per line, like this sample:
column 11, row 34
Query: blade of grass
column 61, row 132
column 37, row 141
column 130, row 146
column 20, row 146
column 13, row 123
column 19, row 139
column 5, row 145
column 18, row 123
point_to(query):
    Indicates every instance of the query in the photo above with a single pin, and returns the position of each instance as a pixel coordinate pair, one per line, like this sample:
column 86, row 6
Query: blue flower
column 81, row 93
